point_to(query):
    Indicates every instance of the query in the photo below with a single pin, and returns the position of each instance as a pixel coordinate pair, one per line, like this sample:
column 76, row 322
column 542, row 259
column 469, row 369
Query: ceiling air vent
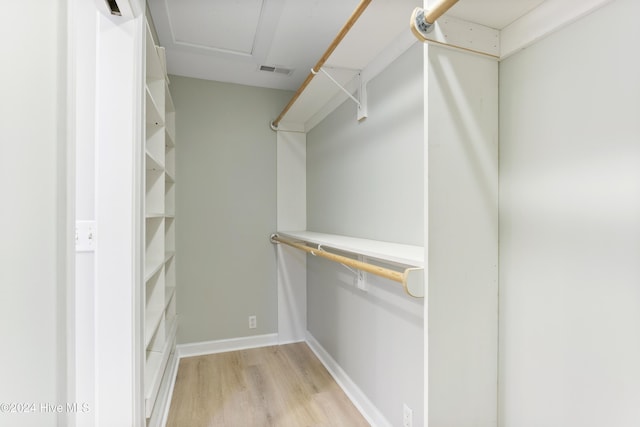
column 274, row 69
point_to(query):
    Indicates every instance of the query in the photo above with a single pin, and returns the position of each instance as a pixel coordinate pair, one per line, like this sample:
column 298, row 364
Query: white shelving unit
column 409, row 257
column 159, row 230
column 395, row 253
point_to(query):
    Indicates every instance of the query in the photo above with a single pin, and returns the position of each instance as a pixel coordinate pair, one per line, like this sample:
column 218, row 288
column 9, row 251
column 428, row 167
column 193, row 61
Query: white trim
column 221, row 346
column 353, row 392
column 291, row 158
column 291, row 127
column 468, row 36
column 542, row 21
column 161, row 412
column 118, row 397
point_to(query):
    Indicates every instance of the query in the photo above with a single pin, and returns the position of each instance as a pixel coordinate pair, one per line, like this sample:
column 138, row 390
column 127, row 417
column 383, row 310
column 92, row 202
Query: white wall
column 82, row 77
column 570, row 226
column 118, row 265
column 292, row 215
column 367, row 180
column 225, row 208
column 32, row 168
column 462, row 117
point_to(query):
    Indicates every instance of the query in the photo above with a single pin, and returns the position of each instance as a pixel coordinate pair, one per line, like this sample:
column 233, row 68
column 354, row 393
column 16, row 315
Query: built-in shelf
column 169, row 138
column 153, row 163
column 153, row 115
column 151, row 267
column 169, row 293
column 154, row 69
column 152, row 320
column 159, row 229
column 396, row 253
column 156, row 362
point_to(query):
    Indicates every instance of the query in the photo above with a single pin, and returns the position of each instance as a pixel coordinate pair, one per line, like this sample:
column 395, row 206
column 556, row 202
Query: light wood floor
column 271, row 386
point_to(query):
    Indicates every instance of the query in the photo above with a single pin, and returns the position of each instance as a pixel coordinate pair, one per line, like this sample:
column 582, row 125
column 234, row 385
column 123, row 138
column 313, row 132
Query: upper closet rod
column 422, row 20
column 412, row 279
column 343, row 32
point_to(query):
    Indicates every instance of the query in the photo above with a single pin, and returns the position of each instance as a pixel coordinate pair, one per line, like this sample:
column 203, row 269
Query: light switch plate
column 85, row 236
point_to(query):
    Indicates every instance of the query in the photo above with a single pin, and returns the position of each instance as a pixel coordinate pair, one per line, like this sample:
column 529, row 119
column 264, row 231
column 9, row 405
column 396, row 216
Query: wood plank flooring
column 283, row 386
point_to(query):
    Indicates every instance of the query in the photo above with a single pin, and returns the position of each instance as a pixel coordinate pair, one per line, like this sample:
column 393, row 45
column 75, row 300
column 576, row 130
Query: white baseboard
column 353, row 392
column 220, row 346
column 167, row 393
column 163, row 402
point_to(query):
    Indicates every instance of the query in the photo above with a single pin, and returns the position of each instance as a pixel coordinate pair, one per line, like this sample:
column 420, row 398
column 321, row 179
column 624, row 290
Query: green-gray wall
column 225, row 208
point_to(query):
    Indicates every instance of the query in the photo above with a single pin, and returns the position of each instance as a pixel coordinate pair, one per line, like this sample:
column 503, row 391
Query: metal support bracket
column 363, row 112
column 361, row 278
column 361, row 91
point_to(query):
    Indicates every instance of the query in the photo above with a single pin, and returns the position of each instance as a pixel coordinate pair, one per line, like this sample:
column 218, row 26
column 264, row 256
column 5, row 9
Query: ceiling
column 229, row 40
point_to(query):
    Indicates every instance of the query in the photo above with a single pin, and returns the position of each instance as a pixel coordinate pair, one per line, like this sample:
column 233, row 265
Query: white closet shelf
column 152, row 266
column 169, row 106
column 152, row 163
column 153, row 114
column 159, row 317
column 154, row 70
column 410, row 257
column 376, row 38
column 169, row 293
column 170, row 138
column 152, row 321
column 395, row 253
column 154, row 369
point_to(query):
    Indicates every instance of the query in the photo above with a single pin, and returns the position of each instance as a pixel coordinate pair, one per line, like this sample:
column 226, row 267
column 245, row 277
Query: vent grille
column 274, row 69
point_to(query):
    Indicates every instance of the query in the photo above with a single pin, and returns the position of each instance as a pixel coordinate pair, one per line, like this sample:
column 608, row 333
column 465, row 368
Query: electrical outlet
column 252, row 322
column 407, row 416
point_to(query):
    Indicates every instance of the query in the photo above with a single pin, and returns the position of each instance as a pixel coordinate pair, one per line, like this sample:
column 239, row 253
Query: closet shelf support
column 336, row 41
column 412, row 279
column 362, row 102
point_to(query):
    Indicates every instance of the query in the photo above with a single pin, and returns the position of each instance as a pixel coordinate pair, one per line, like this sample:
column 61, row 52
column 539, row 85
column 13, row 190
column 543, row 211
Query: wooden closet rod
column 397, row 276
column 437, row 10
column 336, row 41
column 422, row 20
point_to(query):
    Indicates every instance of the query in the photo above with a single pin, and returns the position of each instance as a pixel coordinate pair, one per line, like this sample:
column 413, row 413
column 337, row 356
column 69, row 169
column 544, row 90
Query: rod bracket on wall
column 361, row 91
column 423, row 20
column 419, row 26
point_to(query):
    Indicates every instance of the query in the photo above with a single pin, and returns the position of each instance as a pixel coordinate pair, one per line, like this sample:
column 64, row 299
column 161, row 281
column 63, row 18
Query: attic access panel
column 222, row 26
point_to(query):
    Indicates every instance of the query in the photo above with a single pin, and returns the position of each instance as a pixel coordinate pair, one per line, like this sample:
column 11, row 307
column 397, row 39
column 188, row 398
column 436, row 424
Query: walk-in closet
column 392, row 213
